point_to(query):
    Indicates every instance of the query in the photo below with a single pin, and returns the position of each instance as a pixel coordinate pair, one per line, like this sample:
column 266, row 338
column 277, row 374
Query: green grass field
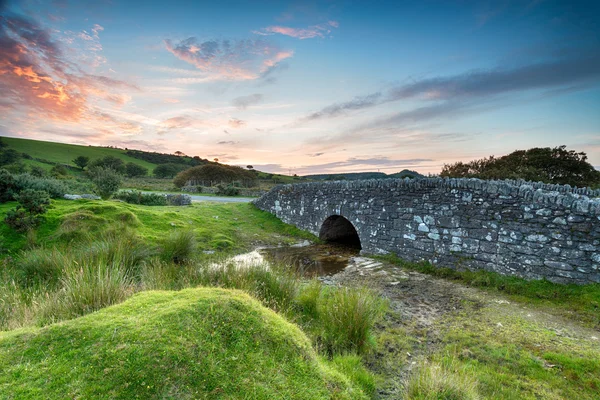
column 65, row 153
column 226, row 228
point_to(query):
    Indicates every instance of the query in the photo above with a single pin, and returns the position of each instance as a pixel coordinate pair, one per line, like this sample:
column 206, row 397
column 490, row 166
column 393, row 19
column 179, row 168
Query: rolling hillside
column 65, row 153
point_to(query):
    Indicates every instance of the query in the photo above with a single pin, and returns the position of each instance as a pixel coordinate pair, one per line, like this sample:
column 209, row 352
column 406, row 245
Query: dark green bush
column 59, row 171
column 168, row 170
column 108, row 162
column 37, row 171
column 27, row 215
column 8, row 186
column 33, row 201
column 21, row 221
column 147, row 199
column 54, row 187
column 106, row 180
column 133, row 170
column 227, row 190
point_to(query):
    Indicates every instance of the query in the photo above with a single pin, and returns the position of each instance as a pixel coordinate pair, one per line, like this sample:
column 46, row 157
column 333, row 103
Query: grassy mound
column 195, row 343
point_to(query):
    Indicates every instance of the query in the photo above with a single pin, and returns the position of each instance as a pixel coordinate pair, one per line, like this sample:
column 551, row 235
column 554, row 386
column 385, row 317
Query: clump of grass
column 352, row 366
column 41, row 266
column 179, row 247
column 86, row 288
column 435, row 381
column 308, row 298
column 126, row 251
column 347, row 317
column 275, row 288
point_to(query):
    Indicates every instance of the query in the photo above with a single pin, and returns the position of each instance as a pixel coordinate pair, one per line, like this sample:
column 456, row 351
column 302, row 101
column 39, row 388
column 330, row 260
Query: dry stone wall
column 531, row 230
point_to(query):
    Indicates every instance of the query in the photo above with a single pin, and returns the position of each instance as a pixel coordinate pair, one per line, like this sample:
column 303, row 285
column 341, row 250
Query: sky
column 304, row 87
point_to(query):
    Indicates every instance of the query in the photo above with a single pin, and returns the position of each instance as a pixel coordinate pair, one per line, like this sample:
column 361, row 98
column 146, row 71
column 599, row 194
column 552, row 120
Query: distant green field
column 65, row 153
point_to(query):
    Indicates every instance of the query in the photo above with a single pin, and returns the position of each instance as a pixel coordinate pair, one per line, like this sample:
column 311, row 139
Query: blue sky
column 306, row 87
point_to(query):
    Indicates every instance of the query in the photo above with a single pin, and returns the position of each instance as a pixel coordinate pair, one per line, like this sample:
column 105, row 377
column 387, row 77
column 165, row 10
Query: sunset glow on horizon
column 305, row 87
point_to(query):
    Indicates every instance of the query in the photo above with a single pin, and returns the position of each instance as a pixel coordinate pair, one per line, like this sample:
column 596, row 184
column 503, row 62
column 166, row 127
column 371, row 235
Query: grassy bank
column 196, row 343
column 226, row 228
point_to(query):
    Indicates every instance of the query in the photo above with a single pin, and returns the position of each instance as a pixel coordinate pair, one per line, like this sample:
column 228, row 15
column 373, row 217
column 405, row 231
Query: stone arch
column 338, row 229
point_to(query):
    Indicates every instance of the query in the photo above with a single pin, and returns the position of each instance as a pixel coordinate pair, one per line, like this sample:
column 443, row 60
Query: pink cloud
column 227, row 59
column 313, row 31
column 38, row 76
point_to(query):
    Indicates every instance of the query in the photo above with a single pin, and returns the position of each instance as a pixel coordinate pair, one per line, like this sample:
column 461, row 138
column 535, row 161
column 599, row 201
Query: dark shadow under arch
column 338, row 229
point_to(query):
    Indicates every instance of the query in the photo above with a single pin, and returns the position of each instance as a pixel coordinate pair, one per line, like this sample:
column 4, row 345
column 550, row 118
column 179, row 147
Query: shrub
column 54, row 187
column 27, row 215
column 133, row 170
column 179, row 247
column 108, row 162
column 9, row 156
column 106, row 180
column 21, row 221
column 8, row 186
column 59, row 171
column 33, row 201
column 168, row 170
column 228, row 190
column 147, row 199
column 37, row 171
column 16, row 168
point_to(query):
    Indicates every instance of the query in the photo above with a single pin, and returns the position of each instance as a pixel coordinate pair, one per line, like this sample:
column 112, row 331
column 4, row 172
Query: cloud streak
column 244, row 102
column 234, row 60
column 314, row 31
column 574, row 73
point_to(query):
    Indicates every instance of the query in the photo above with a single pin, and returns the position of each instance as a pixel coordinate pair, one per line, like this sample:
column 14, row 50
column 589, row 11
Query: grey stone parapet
column 514, row 227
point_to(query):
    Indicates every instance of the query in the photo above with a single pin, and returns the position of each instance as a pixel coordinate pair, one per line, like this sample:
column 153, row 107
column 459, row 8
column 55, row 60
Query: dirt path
column 420, row 307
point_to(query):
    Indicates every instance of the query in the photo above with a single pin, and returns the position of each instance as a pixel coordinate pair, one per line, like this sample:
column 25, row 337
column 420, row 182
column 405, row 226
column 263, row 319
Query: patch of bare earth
column 420, row 307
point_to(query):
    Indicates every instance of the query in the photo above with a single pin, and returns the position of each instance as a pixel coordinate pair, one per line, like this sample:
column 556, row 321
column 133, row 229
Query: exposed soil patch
column 421, row 307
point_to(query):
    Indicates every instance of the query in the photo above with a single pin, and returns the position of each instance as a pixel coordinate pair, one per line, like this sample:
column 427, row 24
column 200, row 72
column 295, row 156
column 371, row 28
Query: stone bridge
column 531, row 230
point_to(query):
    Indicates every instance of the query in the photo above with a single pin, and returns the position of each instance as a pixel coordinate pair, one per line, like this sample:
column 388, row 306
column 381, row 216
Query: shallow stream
column 307, row 259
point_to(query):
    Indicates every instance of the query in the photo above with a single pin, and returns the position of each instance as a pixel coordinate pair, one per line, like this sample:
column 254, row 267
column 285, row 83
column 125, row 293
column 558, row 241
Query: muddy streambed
column 309, row 260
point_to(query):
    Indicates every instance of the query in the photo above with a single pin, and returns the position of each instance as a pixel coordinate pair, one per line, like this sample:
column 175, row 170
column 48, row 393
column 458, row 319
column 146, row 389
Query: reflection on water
column 312, row 260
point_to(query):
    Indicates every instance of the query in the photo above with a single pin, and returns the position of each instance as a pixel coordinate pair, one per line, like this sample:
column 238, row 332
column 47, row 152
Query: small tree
column 2, row 144
column 81, row 161
column 28, row 214
column 250, row 167
column 107, row 181
column 132, row 170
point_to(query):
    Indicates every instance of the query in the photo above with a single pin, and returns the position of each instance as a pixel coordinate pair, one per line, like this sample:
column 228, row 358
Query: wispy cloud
column 244, row 102
column 575, row 73
column 314, row 31
column 235, row 60
column 236, row 123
